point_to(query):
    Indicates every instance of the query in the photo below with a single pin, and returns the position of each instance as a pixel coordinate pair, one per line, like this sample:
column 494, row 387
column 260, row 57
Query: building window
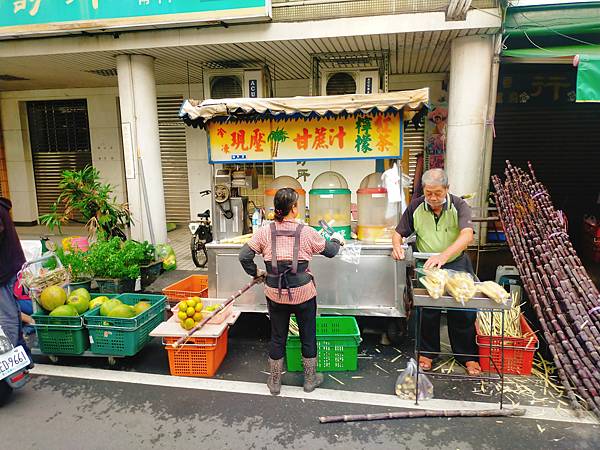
column 58, row 126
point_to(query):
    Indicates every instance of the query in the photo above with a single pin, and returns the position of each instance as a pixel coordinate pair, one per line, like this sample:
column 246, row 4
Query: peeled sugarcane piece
column 494, row 291
column 434, row 281
column 461, row 286
column 434, row 288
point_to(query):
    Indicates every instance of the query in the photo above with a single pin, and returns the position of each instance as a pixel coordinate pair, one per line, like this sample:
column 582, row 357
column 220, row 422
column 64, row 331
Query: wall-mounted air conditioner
column 234, row 83
column 339, row 82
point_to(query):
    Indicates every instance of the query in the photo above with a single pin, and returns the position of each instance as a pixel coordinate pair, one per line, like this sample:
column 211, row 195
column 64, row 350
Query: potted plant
column 83, row 193
column 151, row 265
column 115, row 264
column 78, row 266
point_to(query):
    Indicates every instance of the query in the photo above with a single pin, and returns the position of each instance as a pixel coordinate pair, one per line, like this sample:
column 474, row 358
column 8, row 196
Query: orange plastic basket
column 192, row 286
column 199, row 357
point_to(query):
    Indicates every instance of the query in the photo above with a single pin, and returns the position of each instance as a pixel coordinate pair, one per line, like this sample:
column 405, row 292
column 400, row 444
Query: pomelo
column 108, row 305
column 122, row 312
column 52, row 297
column 141, row 306
column 64, row 311
column 98, row 301
column 80, row 300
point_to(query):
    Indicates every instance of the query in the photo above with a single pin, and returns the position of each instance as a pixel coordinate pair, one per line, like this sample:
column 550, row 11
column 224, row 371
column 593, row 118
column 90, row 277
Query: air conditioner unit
column 233, row 83
column 335, row 81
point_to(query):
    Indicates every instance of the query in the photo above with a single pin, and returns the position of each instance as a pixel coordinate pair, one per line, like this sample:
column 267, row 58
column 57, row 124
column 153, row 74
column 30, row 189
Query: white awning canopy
column 198, row 113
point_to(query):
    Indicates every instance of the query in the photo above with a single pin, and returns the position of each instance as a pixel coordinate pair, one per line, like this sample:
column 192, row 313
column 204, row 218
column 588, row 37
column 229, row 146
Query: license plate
column 13, row 361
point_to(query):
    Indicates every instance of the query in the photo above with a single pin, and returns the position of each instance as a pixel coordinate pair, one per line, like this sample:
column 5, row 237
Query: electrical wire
column 521, row 26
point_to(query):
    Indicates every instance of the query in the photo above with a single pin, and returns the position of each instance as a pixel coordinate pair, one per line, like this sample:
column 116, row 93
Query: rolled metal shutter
column 174, row 159
column 562, row 141
column 60, row 140
column 414, row 144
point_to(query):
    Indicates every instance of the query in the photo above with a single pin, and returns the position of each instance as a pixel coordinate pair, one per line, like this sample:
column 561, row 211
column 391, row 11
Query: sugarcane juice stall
column 294, row 130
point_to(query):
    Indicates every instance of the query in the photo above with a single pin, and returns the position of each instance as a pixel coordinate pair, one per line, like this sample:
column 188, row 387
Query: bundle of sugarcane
column 293, row 328
column 490, row 325
column 566, row 301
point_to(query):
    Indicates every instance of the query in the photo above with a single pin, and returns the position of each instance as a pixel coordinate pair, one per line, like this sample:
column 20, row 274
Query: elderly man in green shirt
column 442, row 224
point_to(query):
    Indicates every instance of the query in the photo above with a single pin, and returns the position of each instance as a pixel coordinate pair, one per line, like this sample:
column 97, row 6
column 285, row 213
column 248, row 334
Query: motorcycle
column 14, row 364
column 201, row 235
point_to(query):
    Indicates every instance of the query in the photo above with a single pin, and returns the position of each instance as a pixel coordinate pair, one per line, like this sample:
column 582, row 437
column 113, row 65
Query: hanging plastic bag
column 350, row 253
column 406, row 383
column 166, row 252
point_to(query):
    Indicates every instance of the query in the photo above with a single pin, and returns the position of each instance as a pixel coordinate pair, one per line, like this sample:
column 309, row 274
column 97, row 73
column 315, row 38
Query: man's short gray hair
column 435, row 177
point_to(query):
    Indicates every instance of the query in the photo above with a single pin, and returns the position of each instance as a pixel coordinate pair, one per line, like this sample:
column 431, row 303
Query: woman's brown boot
column 312, row 379
column 274, row 380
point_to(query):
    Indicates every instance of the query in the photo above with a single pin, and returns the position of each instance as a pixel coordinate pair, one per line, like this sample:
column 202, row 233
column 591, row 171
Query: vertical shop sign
column 436, row 128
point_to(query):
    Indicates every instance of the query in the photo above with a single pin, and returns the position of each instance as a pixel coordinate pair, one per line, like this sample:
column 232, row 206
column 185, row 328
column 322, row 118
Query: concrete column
column 141, row 147
column 469, row 91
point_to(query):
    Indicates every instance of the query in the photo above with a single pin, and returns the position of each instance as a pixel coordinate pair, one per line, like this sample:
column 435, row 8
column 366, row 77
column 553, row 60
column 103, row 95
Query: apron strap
column 296, row 248
column 274, row 248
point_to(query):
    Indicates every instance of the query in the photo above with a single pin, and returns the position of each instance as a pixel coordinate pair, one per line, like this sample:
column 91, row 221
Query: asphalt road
column 69, row 413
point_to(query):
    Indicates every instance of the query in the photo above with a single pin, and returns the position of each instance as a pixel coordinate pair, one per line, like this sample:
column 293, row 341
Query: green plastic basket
column 337, row 346
column 111, row 336
column 60, row 335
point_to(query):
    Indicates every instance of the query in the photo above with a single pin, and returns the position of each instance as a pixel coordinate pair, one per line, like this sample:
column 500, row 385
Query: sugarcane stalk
column 559, row 288
column 506, row 412
column 185, row 338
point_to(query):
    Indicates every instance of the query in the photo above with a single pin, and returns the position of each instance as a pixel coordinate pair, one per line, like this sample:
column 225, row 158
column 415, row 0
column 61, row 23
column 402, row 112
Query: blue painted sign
column 18, row 17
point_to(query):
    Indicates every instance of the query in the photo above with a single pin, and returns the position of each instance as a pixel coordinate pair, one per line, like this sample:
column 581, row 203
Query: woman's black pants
column 306, row 315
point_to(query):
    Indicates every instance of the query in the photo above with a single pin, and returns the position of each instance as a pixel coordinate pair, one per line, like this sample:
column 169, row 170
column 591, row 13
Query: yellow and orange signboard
column 348, row 136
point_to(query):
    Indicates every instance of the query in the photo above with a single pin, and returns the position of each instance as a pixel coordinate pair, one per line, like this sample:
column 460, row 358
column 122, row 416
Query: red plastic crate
column 192, row 286
column 518, row 352
column 199, row 357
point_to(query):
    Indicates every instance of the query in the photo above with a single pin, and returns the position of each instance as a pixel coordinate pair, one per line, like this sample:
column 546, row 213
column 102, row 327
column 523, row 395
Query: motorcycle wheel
column 199, row 255
column 5, row 392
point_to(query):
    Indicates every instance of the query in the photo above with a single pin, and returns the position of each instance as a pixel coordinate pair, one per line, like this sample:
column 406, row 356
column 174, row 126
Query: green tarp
column 588, row 78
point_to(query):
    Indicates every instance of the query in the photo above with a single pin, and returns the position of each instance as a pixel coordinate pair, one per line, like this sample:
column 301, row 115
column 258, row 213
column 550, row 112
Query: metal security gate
column 562, row 141
column 174, row 159
column 60, row 140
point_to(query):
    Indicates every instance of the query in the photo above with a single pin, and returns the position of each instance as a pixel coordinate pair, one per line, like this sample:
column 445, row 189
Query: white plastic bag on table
column 406, row 383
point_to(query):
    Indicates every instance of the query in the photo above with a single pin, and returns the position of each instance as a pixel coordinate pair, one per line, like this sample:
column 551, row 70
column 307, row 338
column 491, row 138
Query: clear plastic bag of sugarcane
column 493, row 290
column 462, row 286
column 434, row 280
column 406, row 383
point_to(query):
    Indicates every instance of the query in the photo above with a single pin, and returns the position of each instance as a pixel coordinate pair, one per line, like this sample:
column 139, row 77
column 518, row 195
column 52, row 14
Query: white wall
column 105, row 141
column 18, row 161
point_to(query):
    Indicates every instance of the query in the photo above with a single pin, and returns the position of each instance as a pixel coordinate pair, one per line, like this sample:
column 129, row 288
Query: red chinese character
column 257, row 140
column 301, row 140
column 319, row 141
column 382, row 126
column 226, row 148
column 221, row 132
column 339, row 136
column 238, row 140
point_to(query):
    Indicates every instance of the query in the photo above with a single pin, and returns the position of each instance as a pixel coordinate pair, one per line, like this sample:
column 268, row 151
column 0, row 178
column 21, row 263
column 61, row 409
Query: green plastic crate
column 60, row 335
column 337, row 346
column 112, row 336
